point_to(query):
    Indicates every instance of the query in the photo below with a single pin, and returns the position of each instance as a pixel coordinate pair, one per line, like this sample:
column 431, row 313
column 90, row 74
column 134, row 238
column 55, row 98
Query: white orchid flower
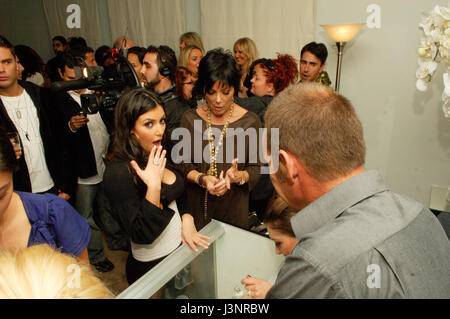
column 426, row 26
column 422, row 51
column 434, row 48
column 443, row 12
column 446, row 109
column 426, row 68
column 435, row 35
column 446, row 77
column 421, row 85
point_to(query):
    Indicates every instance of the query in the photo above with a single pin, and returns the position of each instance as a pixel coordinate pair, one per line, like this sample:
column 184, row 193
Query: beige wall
column 407, row 136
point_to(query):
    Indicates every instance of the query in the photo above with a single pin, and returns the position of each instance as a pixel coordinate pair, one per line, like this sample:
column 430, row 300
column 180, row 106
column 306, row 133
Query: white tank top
column 166, row 242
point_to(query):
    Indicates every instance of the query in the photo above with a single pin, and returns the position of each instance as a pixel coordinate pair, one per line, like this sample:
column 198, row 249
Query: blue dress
column 56, row 223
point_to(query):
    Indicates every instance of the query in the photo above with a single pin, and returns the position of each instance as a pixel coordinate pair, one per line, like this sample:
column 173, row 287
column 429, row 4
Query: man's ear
column 289, row 161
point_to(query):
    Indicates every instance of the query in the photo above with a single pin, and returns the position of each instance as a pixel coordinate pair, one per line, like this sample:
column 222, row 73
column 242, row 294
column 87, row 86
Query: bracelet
column 201, row 179
column 197, row 178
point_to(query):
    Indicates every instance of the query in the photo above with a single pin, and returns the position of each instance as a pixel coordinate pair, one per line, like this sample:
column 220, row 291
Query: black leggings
column 136, row 269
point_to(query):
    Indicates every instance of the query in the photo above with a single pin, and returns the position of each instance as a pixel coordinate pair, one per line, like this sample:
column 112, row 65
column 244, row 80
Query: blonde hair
column 185, row 53
column 192, row 38
column 44, row 273
column 247, row 46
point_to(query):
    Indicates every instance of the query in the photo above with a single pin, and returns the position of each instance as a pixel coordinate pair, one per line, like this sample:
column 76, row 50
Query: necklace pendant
column 27, row 136
column 19, row 115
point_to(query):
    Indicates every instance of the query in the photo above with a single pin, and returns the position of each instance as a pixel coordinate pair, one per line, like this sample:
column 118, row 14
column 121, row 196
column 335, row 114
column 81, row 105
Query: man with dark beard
column 158, row 71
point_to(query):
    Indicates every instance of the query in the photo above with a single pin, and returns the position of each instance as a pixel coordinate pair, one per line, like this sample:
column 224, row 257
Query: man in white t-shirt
column 24, row 110
column 87, row 139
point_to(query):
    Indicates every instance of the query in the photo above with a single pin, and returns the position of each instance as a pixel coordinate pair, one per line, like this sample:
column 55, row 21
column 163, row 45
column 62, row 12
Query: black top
column 142, row 221
column 52, row 69
column 80, row 161
column 256, row 104
column 248, row 84
column 174, row 107
column 232, row 207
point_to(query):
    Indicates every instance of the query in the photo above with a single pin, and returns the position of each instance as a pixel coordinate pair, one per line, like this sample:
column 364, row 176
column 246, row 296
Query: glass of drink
column 15, row 141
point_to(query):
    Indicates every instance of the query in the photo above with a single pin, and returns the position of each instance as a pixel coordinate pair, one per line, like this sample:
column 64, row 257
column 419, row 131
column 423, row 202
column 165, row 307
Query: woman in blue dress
column 28, row 219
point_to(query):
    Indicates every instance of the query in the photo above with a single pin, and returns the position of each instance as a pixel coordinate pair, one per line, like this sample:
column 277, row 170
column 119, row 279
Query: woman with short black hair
column 219, row 187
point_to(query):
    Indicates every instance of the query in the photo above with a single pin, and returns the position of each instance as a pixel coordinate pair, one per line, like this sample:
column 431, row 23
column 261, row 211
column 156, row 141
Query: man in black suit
column 158, row 72
column 24, row 109
column 87, row 141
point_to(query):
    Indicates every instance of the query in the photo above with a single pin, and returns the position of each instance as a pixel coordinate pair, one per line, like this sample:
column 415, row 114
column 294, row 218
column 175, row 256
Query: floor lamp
column 341, row 34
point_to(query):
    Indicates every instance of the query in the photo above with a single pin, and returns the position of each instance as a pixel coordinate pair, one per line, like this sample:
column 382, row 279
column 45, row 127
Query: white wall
column 407, row 136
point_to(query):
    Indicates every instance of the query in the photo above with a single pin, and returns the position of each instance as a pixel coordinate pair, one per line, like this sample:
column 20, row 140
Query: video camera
column 107, row 82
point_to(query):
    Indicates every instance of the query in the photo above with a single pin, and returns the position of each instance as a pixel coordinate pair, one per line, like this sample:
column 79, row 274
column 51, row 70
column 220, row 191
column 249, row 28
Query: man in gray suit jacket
column 357, row 239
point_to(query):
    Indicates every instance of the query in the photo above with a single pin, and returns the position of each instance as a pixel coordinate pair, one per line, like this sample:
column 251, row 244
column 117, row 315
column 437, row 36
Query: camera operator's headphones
column 164, row 69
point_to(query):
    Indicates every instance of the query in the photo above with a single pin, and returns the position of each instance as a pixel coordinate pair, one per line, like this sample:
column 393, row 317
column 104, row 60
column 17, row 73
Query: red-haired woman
column 269, row 77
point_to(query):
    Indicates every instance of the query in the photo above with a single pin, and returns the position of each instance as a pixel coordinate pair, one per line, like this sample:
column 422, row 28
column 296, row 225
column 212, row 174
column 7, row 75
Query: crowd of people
column 166, row 164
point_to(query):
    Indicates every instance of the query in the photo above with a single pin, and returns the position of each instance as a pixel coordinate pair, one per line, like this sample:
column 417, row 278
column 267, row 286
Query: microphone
column 69, row 85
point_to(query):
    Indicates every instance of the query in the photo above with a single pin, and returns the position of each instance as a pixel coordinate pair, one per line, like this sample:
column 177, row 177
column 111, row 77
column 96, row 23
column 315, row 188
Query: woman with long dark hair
column 33, row 65
column 143, row 191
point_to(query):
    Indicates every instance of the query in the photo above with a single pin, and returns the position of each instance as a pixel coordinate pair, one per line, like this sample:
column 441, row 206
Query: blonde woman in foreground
column 40, row 272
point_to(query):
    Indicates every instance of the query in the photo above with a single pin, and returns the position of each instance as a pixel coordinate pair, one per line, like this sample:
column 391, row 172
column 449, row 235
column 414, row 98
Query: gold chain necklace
column 213, row 151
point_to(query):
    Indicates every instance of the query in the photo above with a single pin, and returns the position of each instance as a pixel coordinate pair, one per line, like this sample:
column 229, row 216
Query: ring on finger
column 156, row 161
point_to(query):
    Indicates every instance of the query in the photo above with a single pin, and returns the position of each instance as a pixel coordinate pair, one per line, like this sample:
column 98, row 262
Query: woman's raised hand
column 153, row 172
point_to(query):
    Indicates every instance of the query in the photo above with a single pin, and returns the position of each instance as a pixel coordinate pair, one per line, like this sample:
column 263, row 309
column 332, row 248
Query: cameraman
column 158, row 71
column 87, row 140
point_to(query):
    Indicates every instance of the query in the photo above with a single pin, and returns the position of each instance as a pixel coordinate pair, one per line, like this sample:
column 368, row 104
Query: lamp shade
column 342, row 32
